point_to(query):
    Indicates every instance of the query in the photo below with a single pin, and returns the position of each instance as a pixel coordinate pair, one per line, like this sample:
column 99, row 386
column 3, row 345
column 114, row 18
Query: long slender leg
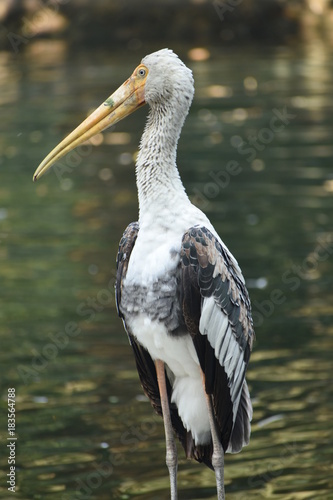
column 218, row 453
column 171, row 450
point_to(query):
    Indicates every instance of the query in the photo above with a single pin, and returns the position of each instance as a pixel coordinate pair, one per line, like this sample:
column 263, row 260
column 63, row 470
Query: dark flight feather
column 208, row 272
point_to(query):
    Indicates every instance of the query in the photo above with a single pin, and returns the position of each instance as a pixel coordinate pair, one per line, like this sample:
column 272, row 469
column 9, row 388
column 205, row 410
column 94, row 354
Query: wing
column 126, row 245
column 217, row 313
column 144, row 362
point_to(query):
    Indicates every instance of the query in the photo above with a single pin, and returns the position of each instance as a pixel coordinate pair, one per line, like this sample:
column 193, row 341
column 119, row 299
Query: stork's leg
column 218, row 453
column 171, row 450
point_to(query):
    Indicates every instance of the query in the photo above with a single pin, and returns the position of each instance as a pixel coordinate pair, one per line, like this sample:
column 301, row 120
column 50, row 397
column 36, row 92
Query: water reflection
column 84, row 430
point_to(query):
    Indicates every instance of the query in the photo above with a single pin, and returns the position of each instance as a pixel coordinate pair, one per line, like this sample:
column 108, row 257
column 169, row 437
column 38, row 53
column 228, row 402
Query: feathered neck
column 158, row 181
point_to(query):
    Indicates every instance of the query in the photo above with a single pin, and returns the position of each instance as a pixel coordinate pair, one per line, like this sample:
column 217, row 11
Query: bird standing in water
column 180, row 292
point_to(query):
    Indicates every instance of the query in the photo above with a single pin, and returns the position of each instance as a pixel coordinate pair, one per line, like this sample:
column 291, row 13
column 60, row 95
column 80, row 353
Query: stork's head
column 167, row 78
column 161, row 79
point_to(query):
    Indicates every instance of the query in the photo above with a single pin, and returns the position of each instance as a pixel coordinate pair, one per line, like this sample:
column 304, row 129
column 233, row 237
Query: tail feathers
column 241, row 431
column 200, row 453
column 240, row 435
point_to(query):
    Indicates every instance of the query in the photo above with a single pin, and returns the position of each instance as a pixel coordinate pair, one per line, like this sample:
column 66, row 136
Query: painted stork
column 179, row 291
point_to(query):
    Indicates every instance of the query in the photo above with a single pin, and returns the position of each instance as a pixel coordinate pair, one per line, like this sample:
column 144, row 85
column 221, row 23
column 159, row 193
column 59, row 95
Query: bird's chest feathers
column 153, row 257
column 151, row 286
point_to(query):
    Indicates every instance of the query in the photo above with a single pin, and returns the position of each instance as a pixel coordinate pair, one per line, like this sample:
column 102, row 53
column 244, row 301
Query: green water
column 84, row 429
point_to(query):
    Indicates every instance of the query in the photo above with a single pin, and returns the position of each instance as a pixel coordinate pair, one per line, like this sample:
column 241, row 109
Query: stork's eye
column 142, row 72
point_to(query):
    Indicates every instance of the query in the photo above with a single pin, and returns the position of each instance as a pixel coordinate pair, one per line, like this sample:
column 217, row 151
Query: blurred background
column 255, row 155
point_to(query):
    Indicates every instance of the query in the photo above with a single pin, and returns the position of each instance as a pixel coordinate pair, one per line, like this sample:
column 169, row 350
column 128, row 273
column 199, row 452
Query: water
column 84, row 429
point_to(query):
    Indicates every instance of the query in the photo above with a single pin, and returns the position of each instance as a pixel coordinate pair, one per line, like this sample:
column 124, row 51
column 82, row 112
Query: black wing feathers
column 126, row 245
column 209, row 271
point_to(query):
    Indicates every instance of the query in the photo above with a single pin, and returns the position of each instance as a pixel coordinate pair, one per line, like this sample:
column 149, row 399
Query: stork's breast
column 158, row 300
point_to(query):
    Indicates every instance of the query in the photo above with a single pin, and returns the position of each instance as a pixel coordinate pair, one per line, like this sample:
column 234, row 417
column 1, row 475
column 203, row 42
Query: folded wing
column 217, row 313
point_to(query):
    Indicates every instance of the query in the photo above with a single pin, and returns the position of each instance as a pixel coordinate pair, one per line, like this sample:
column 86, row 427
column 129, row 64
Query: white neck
column 158, row 181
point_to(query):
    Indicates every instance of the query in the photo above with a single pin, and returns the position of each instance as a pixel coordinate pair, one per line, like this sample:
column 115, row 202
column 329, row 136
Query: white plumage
column 180, row 292
column 180, row 357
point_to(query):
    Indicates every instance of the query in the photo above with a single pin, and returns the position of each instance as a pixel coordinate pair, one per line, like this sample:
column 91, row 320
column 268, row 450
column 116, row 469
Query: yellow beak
column 129, row 97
